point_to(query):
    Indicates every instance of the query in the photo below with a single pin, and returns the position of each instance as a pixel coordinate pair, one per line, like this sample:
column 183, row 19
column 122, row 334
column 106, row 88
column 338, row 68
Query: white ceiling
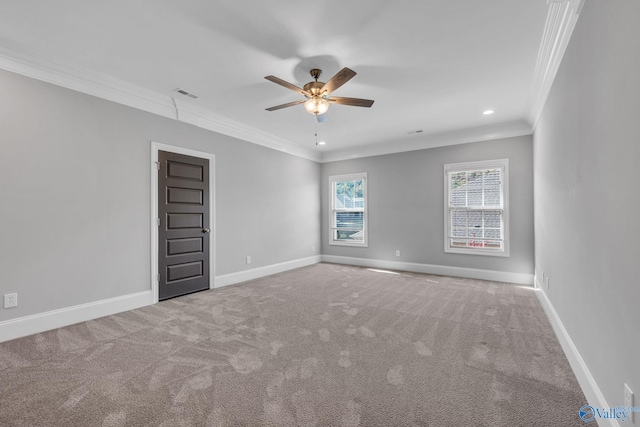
column 430, row 65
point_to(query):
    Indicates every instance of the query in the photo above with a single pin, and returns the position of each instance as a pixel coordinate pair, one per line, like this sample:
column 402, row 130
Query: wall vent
column 185, row 93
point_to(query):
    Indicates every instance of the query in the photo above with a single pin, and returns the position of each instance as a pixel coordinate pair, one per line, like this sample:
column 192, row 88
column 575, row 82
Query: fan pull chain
column 316, row 130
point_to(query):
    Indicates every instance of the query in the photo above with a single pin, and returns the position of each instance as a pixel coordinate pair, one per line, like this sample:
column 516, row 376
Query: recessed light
column 487, row 112
column 321, row 143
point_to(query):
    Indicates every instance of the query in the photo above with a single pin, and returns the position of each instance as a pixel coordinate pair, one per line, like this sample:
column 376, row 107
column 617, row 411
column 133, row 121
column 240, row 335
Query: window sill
column 504, row 254
column 355, row 245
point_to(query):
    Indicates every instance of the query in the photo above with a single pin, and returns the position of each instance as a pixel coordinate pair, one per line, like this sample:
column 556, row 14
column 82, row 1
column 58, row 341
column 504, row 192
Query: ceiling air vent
column 185, row 93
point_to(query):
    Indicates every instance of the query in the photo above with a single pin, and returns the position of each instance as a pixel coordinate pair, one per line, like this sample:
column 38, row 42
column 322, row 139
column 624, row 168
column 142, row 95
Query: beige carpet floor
column 324, row 345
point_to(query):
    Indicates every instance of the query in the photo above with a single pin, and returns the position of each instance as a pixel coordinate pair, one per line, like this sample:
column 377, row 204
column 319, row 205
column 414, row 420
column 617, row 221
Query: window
column 348, row 221
column 476, row 208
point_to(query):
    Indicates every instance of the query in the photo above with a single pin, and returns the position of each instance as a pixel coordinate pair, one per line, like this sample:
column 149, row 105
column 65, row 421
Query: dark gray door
column 184, row 229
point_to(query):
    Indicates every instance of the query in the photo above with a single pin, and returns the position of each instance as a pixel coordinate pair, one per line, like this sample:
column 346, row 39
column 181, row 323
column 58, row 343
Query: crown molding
column 103, row 86
column 562, row 17
column 204, row 118
column 463, row 136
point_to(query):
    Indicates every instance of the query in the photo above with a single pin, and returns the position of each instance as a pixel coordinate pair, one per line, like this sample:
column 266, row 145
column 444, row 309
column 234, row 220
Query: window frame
column 475, row 166
column 333, row 211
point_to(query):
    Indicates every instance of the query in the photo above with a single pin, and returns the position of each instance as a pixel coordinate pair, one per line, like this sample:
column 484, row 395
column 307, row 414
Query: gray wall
column 75, row 197
column 587, row 211
column 406, row 211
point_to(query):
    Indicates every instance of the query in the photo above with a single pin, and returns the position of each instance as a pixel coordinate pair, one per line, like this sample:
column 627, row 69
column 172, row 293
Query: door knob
column 206, row 230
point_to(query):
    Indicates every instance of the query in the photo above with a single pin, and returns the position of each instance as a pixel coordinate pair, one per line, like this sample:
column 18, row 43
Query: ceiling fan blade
column 290, row 104
column 338, row 80
column 355, row 102
column 288, row 85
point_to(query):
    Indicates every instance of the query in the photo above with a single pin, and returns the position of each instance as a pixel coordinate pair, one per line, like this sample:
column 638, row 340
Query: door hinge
column 158, row 222
column 158, row 165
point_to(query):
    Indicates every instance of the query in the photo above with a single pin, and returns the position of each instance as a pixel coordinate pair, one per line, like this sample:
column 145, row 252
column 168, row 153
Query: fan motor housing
column 314, row 87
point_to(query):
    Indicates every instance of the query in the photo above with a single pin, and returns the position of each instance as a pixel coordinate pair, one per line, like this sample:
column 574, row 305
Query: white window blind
column 348, row 219
column 476, row 208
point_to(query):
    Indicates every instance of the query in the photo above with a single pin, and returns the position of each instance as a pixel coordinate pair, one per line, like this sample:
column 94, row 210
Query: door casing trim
column 155, row 147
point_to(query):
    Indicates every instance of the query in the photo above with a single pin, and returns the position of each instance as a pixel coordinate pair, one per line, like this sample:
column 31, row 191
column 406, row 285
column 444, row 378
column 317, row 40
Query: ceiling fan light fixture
column 317, row 93
column 316, row 106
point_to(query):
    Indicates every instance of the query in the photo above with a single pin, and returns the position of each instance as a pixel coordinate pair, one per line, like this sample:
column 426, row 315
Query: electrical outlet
column 10, row 300
column 397, row 252
column 628, row 401
column 248, row 260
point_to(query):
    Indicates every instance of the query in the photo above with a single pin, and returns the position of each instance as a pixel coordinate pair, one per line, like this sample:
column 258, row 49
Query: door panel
column 183, row 234
column 184, row 271
column 186, row 171
column 184, row 195
column 176, row 221
column 184, row 246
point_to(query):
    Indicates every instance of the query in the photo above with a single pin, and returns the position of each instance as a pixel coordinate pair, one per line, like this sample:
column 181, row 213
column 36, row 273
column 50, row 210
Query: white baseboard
column 33, row 324
column 588, row 384
column 256, row 273
column 36, row 323
column 441, row 270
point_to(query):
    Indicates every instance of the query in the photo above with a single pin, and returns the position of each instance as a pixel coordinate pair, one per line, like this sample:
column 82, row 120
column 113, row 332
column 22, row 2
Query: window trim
column 478, row 165
column 332, row 210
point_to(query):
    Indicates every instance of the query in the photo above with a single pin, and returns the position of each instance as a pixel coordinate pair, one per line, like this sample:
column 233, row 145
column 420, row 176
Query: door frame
column 155, row 147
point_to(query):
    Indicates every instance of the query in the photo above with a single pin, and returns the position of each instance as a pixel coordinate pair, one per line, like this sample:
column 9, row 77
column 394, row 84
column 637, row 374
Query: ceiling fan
column 317, row 93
